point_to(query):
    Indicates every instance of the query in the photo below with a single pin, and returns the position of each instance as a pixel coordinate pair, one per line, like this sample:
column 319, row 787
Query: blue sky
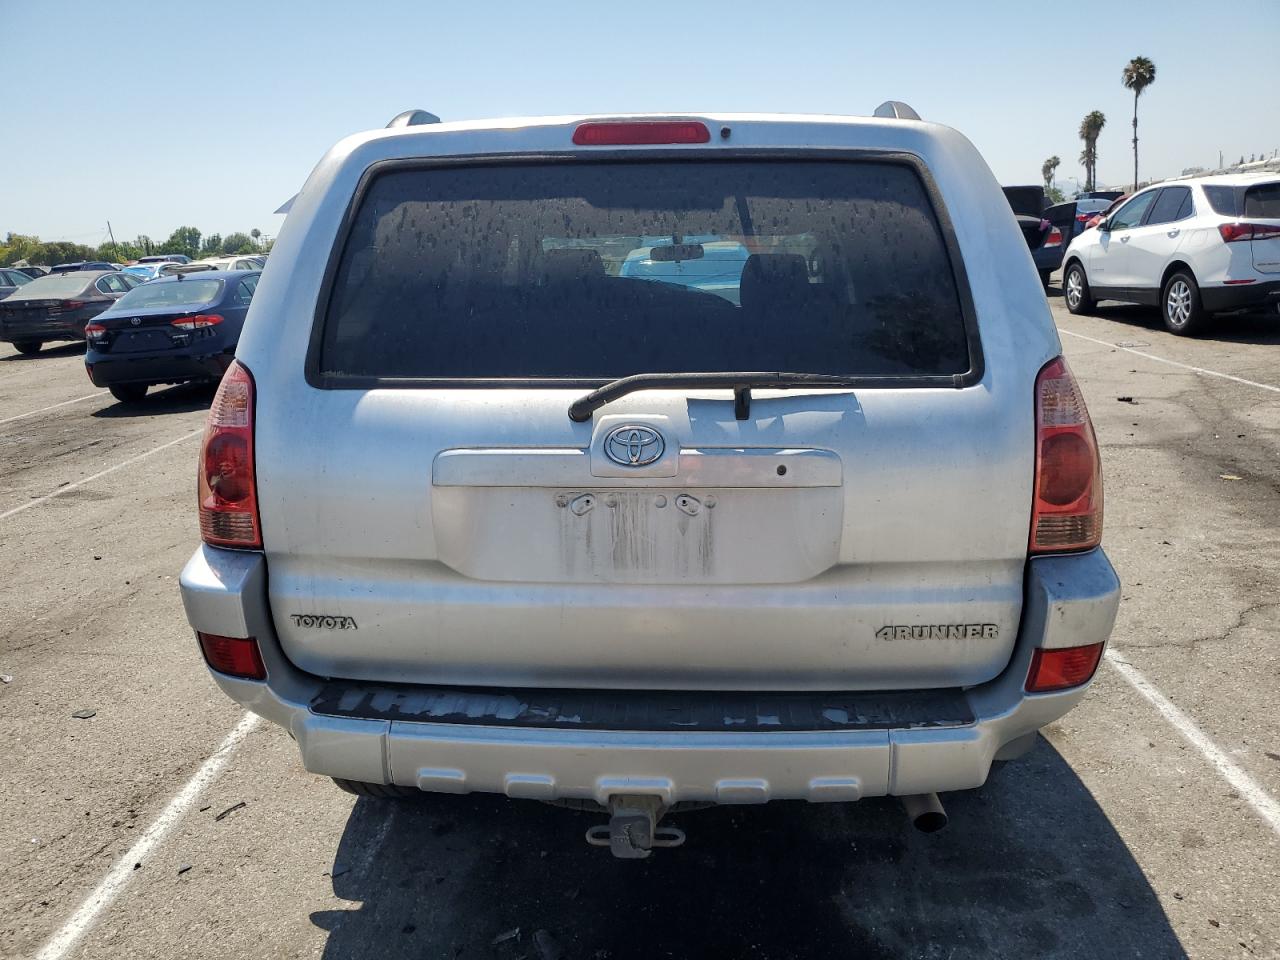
column 162, row 114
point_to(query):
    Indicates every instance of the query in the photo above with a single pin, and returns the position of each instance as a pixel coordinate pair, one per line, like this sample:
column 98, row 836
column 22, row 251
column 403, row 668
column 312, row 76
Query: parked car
column 83, row 265
column 1092, row 220
column 1066, row 221
column 34, row 272
column 1192, row 247
column 58, row 306
column 173, row 330
column 11, row 280
column 243, row 262
column 481, row 514
column 147, row 271
column 1108, row 195
column 165, row 258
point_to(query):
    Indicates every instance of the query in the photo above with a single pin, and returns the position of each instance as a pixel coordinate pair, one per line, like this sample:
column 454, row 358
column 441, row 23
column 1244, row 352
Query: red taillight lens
column 1063, row 668
column 1236, row 232
column 72, row 304
column 237, row 656
column 228, row 494
column 1067, row 512
column 1083, row 217
column 94, row 330
column 197, row 323
column 1055, row 238
column 603, row 134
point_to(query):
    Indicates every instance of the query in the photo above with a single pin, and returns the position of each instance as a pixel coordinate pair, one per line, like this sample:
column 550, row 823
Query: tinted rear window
column 591, row 271
column 53, row 287
column 1263, row 201
column 175, row 293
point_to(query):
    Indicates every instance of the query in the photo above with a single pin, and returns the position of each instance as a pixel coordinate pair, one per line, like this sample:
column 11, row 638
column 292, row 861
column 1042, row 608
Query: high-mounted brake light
column 1062, row 668
column 634, row 132
column 1067, row 510
column 237, row 656
column 196, row 323
column 1055, row 238
column 1236, row 232
column 227, row 485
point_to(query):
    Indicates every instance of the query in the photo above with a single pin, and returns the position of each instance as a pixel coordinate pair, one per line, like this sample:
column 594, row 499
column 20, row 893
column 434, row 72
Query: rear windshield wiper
column 739, row 382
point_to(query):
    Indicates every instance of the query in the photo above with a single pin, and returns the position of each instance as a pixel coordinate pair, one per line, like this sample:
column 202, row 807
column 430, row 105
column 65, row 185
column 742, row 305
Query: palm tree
column 256, row 234
column 1090, row 127
column 1048, row 169
column 1139, row 74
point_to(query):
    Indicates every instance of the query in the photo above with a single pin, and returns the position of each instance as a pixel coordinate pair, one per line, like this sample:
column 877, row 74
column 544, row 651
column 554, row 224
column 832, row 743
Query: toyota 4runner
column 485, row 507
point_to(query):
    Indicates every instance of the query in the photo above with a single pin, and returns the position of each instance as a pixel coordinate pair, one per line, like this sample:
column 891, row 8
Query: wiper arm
column 739, row 382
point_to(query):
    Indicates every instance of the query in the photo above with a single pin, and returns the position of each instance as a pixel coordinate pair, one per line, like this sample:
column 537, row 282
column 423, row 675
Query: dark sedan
column 171, row 330
column 11, row 280
column 82, row 265
column 58, row 306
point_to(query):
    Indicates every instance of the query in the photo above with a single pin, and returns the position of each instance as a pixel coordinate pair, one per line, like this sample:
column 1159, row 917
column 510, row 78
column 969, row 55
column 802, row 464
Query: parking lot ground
column 1122, row 834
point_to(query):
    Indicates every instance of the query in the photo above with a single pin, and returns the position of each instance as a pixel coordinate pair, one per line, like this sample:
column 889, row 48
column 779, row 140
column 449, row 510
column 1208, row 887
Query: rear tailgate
column 1262, row 203
column 446, row 522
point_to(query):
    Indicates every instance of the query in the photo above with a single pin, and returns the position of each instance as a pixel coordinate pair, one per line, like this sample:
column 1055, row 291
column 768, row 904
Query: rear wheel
column 377, row 791
column 28, row 347
column 1180, row 305
column 1075, row 288
column 128, row 392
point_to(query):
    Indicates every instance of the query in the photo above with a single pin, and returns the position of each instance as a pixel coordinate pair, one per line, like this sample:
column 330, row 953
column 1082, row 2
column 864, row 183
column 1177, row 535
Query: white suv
column 484, row 510
column 1192, row 247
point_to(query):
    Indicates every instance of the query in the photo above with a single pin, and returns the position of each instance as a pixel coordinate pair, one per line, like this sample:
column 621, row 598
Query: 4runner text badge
column 940, row 631
column 632, row 445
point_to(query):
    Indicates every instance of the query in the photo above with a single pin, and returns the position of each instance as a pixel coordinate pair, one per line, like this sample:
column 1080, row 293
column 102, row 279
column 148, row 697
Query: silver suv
column 488, row 504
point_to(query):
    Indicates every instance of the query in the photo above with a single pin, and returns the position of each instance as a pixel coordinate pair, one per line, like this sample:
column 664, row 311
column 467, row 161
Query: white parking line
column 1174, row 363
column 101, row 473
column 1264, row 805
column 52, row 406
column 116, row 879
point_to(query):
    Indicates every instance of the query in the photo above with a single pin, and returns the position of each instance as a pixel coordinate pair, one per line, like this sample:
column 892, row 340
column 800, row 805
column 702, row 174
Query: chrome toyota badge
column 632, row 445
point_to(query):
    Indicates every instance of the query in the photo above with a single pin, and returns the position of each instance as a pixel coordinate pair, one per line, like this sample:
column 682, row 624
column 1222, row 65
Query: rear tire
column 28, row 347
column 1075, row 290
column 376, row 791
column 128, row 392
column 1180, row 305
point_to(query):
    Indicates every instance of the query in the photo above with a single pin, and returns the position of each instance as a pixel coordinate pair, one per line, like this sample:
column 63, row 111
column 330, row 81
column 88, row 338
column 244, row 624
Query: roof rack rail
column 896, row 110
column 413, row 118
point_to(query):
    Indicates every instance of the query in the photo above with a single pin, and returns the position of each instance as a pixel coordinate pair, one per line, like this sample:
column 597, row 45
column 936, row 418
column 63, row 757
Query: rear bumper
column 1244, row 296
column 1070, row 600
column 106, row 369
column 42, row 330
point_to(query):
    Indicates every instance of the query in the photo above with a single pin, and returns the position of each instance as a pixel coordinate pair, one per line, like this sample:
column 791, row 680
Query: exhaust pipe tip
column 925, row 812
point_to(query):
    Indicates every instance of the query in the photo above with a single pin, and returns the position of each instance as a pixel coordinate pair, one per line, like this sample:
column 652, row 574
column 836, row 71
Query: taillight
column 237, row 656
column 1062, row 668
column 72, row 304
column 94, row 331
column 630, row 132
column 1083, row 217
column 1067, row 511
column 1236, row 232
column 197, row 323
column 228, row 493
column 1055, row 238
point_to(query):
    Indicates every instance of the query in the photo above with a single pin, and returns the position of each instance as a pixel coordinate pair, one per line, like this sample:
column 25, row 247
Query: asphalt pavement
column 1145, row 824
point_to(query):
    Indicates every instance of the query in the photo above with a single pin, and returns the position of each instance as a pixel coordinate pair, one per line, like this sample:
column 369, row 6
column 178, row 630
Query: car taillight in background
column 1062, row 668
column 197, row 323
column 237, row 656
column 1067, row 509
column 1055, row 238
column 1236, row 232
column 94, row 331
column 632, row 132
column 72, row 304
column 228, row 493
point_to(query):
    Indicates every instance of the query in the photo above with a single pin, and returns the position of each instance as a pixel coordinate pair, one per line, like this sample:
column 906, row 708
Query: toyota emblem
column 632, row 445
column 135, row 320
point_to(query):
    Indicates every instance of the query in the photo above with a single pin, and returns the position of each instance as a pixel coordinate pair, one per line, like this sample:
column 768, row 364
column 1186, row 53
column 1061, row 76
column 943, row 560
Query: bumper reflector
column 1062, row 668
column 235, row 656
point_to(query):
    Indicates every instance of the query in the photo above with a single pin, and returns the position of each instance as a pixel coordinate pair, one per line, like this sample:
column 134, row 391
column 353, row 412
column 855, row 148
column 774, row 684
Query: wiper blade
column 740, row 382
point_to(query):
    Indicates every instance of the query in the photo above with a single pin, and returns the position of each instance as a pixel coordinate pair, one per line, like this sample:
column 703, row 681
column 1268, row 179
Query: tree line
column 1138, row 74
column 18, row 247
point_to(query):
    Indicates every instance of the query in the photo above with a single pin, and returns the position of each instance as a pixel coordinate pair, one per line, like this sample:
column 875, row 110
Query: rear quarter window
column 1223, row 200
column 588, row 271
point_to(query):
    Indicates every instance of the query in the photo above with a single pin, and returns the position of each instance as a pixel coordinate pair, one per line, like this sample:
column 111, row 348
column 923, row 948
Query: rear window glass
column 1263, row 201
column 53, row 287
column 603, row 270
column 179, row 292
column 1222, row 199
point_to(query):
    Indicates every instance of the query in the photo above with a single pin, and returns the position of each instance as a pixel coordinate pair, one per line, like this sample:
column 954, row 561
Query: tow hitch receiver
column 633, row 831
